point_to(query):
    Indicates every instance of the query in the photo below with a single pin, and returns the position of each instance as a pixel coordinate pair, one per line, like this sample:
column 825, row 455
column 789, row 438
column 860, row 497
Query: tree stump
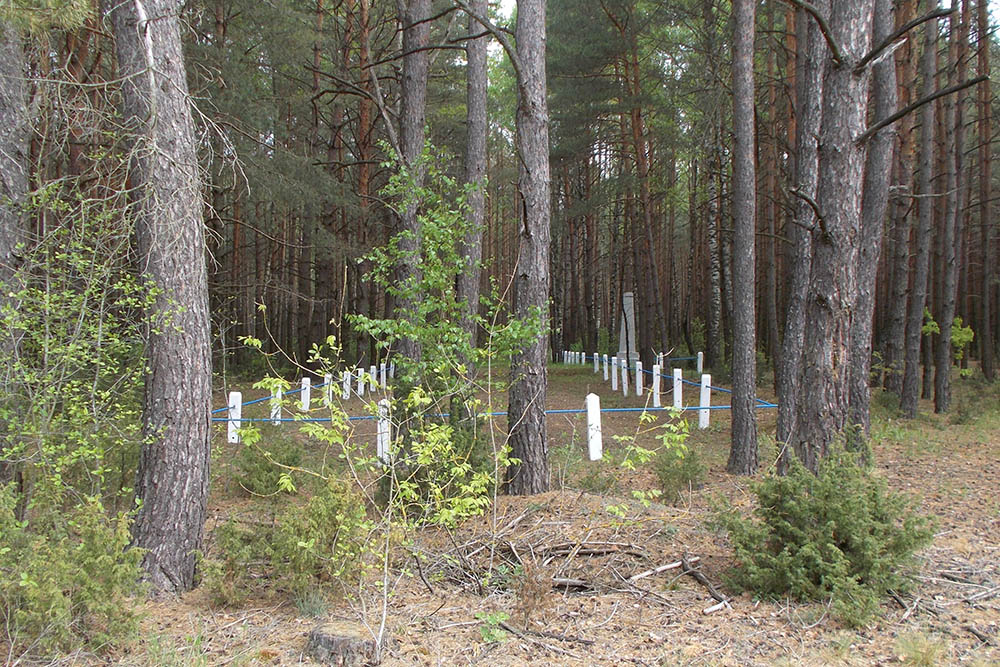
column 343, row 644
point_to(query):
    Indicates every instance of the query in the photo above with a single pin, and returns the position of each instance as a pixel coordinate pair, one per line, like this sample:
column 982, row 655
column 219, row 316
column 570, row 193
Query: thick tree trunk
column 413, row 15
column 173, row 474
column 874, row 200
column 526, row 412
column 823, row 409
column 809, row 95
column 925, row 213
column 475, row 170
column 743, row 449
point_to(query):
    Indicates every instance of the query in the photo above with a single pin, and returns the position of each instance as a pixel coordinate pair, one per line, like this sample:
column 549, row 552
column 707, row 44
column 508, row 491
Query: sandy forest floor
column 445, row 615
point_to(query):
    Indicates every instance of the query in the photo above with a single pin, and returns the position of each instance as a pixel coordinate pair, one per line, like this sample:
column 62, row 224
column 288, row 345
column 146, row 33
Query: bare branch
column 885, row 43
column 500, row 34
column 916, row 105
column 814, row 206
column 824, row 28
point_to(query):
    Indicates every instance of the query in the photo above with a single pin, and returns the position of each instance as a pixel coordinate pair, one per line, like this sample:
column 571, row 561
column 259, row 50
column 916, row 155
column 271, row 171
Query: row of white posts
column 613, row 367
column 360, row 381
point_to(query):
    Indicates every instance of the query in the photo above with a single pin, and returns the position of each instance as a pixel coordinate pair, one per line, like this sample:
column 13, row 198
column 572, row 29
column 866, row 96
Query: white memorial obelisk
column 626, row 331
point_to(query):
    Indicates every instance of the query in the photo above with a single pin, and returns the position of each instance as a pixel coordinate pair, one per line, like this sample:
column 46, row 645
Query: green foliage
column 442, row 470
column 322, row 541
column 72, row 336
column 227, row 576
column 310, row 545
column 930, row 326
column 961, row 337
column 69, row 583
column 839, row 534
column 264, row 467
column 490, row 630
column 678, row 471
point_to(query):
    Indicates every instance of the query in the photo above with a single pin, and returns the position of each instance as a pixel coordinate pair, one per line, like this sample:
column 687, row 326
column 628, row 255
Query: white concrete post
column 276, row 407
column 384, row 434
column 597, row 363
column 659, row 360
column 381, row 375
column 605, row 368
column 594, row 444
column 678, row 388
column 361, row 382
column 305, row 396
column 235, row 415
column 392, row 369
column 638, row 378
column 346, row 382
column 328, row 389
column 656, row 386
column 614, row 373
column 701, row 362
column 705, row 401
column 372, row 379
column 624, row 367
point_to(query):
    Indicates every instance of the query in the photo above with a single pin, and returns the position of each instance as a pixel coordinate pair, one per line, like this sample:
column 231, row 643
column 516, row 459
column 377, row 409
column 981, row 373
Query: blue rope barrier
column 445, row 415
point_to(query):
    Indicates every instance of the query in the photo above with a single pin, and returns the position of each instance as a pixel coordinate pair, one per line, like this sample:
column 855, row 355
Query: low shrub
column 260, row 464
column 838, row 535
column 69, row 583
column 677, row 471
column 322, row 541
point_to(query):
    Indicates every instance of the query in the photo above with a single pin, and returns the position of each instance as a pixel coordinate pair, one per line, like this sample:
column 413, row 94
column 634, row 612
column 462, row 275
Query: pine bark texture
column 809, row 96
column 743, row 449
column 413, row 115
column 925, row 214
column 874, row 200
column 986, row 222
column 526, row 412
column 951, row 233
column 475, row 167
column 173, row 475
column 822, row 411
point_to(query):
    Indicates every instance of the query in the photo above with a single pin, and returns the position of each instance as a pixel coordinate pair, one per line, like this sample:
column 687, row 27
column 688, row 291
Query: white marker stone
column 678, row 388
column 656, row 386
column 235, row 415
column 305, row 395
column 595, row 446
column 706, row 400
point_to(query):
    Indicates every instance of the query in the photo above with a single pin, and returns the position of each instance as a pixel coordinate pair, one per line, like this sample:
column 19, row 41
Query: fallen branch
column 578, row 584
column 661, row 568
column 703, row 580
column 511, row 629
column 984, row 638
column 983, row 595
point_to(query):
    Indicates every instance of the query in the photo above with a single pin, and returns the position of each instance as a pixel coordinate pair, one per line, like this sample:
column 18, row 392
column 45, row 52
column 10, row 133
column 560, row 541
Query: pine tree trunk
column 173, row 476
column 526, row 411
column 743, row 449
column 823, row 409
column 925, row 214
column 985, row 126
column 475, row 170
column 412, row 116
column 878, row 168
column 809, row 96
column 954, row 149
